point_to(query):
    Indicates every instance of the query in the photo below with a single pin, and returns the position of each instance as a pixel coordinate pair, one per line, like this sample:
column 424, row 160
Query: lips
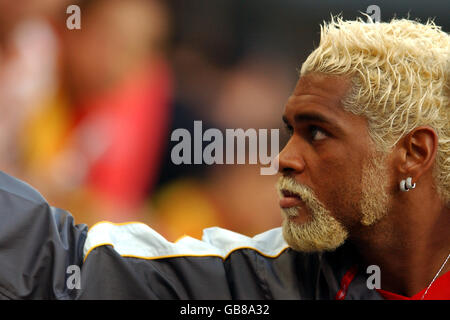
column 290, row 199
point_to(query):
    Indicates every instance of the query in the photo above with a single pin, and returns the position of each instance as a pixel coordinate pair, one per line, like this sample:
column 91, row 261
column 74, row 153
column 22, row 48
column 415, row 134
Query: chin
column 314, row 236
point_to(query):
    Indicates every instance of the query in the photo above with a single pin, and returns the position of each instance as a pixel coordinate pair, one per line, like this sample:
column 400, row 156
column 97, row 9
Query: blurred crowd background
column 86, row 115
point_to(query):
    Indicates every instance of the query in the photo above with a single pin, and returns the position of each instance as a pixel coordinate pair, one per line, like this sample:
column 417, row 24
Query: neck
column 409, row 245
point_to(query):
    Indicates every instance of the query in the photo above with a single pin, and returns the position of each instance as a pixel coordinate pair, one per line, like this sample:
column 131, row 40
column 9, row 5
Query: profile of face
column 333, row 181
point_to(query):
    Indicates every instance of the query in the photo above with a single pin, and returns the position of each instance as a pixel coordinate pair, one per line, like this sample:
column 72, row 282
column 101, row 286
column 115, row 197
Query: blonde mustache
column 305, row 193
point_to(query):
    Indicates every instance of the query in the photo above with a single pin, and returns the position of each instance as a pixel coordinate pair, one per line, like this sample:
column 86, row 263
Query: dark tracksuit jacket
column 42, row 250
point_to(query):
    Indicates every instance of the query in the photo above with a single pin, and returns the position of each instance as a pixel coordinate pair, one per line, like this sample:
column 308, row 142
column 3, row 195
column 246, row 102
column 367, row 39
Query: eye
column 289, row 129
column 317, row 133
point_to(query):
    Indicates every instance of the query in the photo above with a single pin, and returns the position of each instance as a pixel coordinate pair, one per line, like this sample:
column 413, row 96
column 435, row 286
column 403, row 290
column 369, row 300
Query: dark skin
column 327, row 150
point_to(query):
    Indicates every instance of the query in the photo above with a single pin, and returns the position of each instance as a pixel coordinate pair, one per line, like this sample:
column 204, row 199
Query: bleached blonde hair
column 400, row 75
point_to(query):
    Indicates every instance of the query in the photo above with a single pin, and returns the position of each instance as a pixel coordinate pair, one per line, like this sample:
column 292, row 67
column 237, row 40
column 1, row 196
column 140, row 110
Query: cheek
column 340, row 188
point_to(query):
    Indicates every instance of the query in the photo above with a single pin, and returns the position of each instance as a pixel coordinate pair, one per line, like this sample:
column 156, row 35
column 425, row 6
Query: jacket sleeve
column 39, row 245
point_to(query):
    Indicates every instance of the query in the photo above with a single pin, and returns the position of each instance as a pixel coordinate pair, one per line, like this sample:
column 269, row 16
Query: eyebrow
column 312, row 117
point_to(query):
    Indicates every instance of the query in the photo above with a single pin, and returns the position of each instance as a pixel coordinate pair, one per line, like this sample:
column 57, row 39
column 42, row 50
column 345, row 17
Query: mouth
column 290, row 199
column 289, row 194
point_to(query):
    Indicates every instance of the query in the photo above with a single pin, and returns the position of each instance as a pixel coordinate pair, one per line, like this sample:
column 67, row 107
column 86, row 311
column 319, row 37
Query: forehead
column 325, row 92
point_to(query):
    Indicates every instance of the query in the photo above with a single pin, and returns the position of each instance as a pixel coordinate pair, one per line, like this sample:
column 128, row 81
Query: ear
column 417, row 152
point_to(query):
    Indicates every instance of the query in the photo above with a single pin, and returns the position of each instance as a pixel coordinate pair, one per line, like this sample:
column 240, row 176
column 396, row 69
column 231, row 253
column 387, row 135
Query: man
column 365, row 181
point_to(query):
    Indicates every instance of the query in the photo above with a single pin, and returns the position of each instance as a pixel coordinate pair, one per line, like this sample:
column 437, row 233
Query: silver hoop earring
column 405, row 185
column 408, row 183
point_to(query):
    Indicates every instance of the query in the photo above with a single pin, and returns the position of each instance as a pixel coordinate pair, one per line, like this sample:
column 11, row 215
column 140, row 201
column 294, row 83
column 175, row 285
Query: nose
column 291, row 160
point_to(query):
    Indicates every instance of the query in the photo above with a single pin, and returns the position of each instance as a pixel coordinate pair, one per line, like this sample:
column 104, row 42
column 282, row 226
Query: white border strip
column 141, row 241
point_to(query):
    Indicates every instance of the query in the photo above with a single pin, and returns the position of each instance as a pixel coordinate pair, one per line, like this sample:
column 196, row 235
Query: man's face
column 332, row 179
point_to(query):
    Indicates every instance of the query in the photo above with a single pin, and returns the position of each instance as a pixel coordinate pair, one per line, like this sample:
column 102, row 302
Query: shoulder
column 13, row 188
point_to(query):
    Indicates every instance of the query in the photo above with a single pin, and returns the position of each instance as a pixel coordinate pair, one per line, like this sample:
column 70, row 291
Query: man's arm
column 39, row 244
column 42, row 252
column 41, row 249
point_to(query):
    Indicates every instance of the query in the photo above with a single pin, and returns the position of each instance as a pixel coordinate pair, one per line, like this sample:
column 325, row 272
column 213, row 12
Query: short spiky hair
column 400, row 75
